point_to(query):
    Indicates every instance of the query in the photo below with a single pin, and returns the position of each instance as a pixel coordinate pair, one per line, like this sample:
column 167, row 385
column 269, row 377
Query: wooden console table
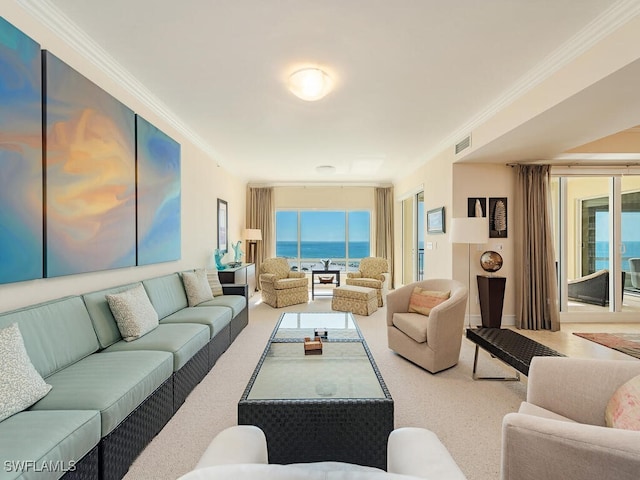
column 245, row 274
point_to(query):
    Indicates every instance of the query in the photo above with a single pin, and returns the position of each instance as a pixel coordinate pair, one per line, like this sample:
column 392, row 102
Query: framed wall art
column 498, row 217
column 90, row 214
column 476, row 207
column 158, row 219
column 21, row 231
column 435, row 220
column 223, row 223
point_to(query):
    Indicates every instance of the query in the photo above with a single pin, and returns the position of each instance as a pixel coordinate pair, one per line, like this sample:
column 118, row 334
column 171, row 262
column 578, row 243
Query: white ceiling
column 409, row 74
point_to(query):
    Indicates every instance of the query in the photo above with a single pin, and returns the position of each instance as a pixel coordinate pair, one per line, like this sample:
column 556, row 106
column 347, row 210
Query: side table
column 491, row 295
column 314, row 273
column 245, row 274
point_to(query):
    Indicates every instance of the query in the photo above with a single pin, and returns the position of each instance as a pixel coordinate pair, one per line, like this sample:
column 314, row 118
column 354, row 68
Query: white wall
column 202, row 183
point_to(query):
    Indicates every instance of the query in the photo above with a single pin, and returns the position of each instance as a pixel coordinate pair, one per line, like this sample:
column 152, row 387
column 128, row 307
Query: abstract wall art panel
column 89, row 153
column 158, row 164
column 21, row 242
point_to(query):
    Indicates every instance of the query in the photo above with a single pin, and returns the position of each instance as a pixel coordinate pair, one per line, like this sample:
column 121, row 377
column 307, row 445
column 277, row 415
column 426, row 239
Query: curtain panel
column 261, row 214
column 537, row 306
column 384, row 227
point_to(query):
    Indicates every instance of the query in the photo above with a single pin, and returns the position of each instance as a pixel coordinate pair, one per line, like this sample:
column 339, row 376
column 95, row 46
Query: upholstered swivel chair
column 431, row 341
column 373, row 273
column 280, row 286
column 560, row 432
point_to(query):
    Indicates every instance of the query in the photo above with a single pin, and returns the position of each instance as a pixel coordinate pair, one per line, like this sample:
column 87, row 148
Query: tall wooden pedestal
column 491, row 294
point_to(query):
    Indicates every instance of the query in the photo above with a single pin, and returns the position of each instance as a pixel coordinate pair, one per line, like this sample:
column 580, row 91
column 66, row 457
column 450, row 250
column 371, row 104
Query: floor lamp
column 469, row 230
column 251, row 236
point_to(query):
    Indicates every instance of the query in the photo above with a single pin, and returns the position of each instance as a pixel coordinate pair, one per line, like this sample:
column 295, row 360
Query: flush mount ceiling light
column 309, row 84
column 325, row 169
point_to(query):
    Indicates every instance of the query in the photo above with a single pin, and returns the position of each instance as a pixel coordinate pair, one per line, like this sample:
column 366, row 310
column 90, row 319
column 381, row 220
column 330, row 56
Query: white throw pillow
column 214, row 283
column 20, row 383
column 133, row 312
column 197, row 287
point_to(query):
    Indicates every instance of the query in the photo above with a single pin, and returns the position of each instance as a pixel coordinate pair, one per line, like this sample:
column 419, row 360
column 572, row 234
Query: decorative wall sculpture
column 90, row 217
column 158, row 164
column 21, row 244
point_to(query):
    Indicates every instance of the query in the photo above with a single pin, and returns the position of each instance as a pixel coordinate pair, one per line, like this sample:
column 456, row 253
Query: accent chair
column 280, row 286
column 431, row 341
column 560, row 432
column 373, row 273
column 240, row 453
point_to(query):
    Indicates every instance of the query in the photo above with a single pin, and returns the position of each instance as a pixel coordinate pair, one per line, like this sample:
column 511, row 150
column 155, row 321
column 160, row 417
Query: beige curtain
column 536, row 289
column 384, row 226
column 261, row 214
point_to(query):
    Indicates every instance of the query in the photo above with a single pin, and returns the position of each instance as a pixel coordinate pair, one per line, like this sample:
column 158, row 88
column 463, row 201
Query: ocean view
column 320, row 250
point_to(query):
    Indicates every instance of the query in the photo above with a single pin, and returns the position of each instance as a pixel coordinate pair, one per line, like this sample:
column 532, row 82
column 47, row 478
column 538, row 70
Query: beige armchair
column 560, row 432
column 280, row 286
column 373, row 273
column 434, row 341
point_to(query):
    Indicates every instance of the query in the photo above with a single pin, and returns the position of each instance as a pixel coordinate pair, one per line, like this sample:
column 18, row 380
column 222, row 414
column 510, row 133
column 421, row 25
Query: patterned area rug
column 628, row 343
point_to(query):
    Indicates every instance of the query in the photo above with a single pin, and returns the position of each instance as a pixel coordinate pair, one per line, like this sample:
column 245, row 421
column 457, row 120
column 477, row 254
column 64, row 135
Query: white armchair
column 240, row 453
column 432, row 341
column 560, row 432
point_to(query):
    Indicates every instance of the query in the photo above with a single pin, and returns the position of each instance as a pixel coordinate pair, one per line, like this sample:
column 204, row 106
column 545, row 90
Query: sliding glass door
column 597, row 233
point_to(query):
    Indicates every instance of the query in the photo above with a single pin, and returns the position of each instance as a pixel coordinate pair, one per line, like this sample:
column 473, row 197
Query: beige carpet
column 465, row 414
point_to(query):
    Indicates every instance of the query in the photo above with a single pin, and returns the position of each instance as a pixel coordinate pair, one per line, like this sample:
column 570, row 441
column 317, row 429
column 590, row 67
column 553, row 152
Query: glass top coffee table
column 329, row 407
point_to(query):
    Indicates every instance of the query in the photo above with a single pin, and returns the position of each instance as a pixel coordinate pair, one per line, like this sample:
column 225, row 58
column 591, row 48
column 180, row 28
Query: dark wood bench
column 508, row 346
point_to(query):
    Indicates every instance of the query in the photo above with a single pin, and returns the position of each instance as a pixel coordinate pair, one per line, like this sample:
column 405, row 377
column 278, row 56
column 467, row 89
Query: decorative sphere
column 491, row 261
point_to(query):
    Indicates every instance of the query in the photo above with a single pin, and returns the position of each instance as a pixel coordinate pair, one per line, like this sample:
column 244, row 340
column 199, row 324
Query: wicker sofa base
column 238, row 323
column 87, row 468
column 218, row 345
column 190, row 375
column 120, row 448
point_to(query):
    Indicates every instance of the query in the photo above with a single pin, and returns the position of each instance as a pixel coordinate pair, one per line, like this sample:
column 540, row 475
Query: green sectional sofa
column 110, row 397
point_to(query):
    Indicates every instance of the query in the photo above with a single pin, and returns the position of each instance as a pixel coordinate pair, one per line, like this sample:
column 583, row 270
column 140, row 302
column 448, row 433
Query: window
column 306, row 237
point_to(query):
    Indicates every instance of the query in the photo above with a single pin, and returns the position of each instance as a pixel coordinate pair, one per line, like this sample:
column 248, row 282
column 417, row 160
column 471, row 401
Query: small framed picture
column 435, row 220
column 223, row 220
column 498, row 218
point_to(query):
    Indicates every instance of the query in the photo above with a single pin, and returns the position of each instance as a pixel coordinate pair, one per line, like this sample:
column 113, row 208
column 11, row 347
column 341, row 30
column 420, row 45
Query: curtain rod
column 578, row 165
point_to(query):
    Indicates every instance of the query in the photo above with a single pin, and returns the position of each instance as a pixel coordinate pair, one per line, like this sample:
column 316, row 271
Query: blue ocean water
column 632, row 250
column 321, row 250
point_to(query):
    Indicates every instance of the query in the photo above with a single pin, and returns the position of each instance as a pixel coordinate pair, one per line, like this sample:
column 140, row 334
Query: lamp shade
column 252, row 234
column 469, row 230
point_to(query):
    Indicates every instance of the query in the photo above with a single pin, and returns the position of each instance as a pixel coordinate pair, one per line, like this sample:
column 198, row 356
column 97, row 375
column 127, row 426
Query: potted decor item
column 326, row 263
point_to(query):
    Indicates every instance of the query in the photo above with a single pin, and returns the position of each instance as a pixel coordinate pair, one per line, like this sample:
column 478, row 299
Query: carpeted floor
column 628, row 343
column 465, row 414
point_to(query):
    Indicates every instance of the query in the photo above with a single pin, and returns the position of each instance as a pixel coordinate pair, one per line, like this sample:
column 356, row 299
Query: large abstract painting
column 90, row 218
column 158, row 161
column 21, row 243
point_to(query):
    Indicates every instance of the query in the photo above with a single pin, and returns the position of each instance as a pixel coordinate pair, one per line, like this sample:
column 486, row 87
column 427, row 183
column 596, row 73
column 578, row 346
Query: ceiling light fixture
column 310, row 84
column 326, row 169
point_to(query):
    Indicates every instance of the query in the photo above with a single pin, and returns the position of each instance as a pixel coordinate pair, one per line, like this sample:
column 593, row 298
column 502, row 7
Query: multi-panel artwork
column 158, row 194
column 72, row 201
column 21, row 245
column 90, row 174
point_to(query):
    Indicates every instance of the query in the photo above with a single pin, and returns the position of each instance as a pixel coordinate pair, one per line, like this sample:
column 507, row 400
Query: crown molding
column 51, row 17
column 609, row 21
